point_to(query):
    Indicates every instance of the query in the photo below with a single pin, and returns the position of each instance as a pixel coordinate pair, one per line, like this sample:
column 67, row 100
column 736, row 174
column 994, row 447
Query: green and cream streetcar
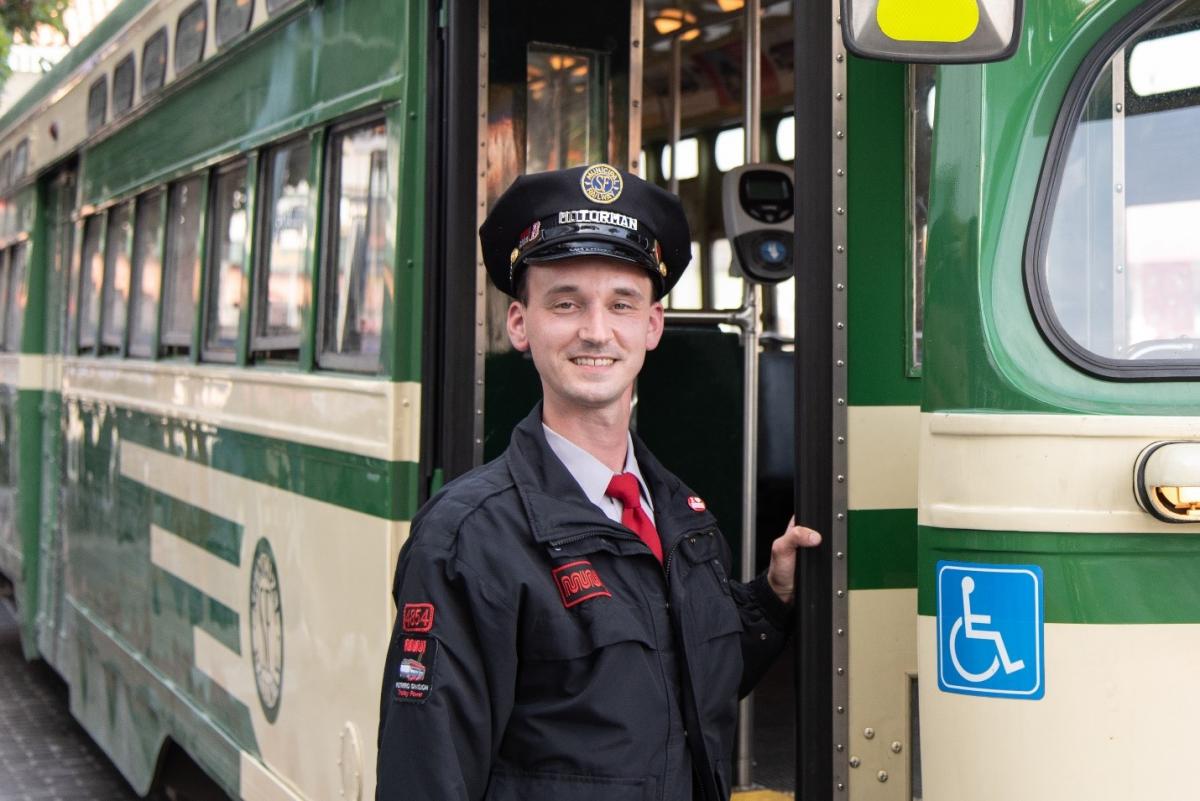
column 246, row 332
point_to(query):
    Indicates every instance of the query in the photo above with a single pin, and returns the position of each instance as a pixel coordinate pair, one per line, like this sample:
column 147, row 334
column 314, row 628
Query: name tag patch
column 414, row 674
column 577, row 582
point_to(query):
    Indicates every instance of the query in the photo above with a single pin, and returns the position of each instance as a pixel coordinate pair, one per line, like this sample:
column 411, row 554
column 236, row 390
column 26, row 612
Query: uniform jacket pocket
column 522, row 786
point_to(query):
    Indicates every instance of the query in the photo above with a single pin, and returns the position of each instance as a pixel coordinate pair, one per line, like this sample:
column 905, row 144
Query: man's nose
column 594, row 327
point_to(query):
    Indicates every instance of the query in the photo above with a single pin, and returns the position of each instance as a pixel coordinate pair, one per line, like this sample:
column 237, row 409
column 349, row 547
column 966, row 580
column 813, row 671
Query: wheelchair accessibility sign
column 990, row 620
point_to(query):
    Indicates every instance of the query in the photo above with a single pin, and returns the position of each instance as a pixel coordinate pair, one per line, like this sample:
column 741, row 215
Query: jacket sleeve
column 766, row 624
column 448, row 680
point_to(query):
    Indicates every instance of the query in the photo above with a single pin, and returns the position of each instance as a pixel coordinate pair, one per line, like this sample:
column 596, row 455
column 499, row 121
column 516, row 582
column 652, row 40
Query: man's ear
column 654, row 331
column 516, row 326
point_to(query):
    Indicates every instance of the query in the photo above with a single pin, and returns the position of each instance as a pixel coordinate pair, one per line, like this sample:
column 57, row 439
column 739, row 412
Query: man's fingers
column 803, row 537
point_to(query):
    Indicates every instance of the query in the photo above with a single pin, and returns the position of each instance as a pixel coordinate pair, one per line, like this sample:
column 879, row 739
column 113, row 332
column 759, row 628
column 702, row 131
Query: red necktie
column 624, row 488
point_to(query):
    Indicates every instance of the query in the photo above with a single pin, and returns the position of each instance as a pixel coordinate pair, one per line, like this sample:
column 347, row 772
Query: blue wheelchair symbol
column 990, row 624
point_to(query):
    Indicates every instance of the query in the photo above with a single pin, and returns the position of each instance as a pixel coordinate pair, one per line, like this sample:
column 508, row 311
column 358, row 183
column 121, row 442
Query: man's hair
column 521, row 286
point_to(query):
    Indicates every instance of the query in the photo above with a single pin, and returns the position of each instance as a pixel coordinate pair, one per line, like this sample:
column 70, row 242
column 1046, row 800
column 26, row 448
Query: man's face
column 588, row 324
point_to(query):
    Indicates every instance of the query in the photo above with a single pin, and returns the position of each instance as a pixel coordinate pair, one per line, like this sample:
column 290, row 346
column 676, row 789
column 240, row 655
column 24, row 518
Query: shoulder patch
column 417, row 618
column 414, row 674
column 577, row 582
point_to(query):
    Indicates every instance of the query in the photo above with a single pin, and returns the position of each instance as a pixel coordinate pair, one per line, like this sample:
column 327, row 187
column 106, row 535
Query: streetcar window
column 726, row 288
column 181, row 263
column 357, row 267
column 1119, row 266
column 922, row 95
column 154, row 62
column 688, row 158
column 20, row 160
column 729, row 149
column 190, row 33
column 5, row 170
column 97, row 104
column 90, row 278
column 3, row 295
column 116, row 276
column 226, row 261
column 785, row 138
column 233, row 19
column 146, row 278
column 123, row 77
column 283, row 277
column 687, row 292
column 17, row 291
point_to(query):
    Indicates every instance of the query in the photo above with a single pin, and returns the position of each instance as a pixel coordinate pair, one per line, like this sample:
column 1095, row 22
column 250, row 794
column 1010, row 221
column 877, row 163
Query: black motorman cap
column 595, row 210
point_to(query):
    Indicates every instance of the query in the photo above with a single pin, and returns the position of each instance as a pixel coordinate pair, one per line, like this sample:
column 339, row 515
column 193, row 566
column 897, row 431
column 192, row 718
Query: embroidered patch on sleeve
column 418, row 618
column 414, row 674
column 577, row 582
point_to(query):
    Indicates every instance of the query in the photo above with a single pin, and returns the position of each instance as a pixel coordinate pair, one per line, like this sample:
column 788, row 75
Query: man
column 566, row 626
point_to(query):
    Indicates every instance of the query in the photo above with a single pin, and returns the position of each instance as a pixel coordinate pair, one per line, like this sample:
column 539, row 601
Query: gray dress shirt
column 593, row 476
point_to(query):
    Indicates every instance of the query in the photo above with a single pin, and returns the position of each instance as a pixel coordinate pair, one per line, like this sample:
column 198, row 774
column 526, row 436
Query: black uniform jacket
column 542, row 653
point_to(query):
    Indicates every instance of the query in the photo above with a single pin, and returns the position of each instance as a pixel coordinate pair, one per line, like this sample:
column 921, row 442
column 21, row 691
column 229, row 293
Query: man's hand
column 781, row 574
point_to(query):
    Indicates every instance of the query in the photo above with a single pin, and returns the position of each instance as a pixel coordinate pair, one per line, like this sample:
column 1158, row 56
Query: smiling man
column 566, row 625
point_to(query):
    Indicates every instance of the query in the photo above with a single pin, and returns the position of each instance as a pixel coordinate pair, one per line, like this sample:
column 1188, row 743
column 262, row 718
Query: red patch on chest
column 418, row 617
column 578, row 582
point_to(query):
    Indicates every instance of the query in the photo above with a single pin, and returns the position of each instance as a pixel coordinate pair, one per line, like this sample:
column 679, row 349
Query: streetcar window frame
column 116, row 250
column 20, row 160
column 178, row 341
column 87, row 338
column 220, row 350
column 186, row 59
column 97, row 104
column 123, row 85
column 154, row 66
column 145, row 254
column 1037, row 240
column 327, row 358
column 285, row 346
column 230, row 10
column 275, row 6
column 3, row 298
column 16, row 294
column 5, row 170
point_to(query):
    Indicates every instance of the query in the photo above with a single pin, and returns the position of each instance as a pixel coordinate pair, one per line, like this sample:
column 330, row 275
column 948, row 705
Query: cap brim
column 608, row 248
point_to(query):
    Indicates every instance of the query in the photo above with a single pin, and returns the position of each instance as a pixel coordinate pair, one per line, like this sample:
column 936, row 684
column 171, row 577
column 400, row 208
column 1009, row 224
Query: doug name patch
column 414, row 674
column 578, row 582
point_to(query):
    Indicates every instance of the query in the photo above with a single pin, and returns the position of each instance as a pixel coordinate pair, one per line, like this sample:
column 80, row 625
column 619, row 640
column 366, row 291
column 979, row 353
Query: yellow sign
column 928, row 20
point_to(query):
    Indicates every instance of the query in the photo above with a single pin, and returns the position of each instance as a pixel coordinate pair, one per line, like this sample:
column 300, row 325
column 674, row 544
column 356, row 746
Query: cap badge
column 601, row 183
column 530, row 234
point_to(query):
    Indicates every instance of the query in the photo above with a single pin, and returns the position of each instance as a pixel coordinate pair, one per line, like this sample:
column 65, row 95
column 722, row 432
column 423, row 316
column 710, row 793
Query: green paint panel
column 1089, row 578
column 877, row 236
column 371, row 486
column 982, row 349
column 882, row 549
column 220, row 537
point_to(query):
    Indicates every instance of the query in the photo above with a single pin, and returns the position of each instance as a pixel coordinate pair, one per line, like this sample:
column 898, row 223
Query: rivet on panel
column 841, row 440
column 840, row 249
column 840, row 134
column 839, row 210
column 841, row 516
column 839, row 747
column 840, row 172
column 841, row 671
column 841, row 362
column 840, row 555
column 839, row 326
column 840, row 58
column 841, row 479
column 841, row 786
column 839, row 287
column 855, row 762
column 841, row 401
column 869, row 733
column 896, row 747
column 1120, row 107
column 841, row 593
column 882, row 776
column 841, row 710
column 841, row 632
column 838, row 96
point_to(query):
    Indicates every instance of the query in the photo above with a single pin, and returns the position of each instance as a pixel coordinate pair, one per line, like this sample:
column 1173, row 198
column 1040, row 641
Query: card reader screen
column 768, row 187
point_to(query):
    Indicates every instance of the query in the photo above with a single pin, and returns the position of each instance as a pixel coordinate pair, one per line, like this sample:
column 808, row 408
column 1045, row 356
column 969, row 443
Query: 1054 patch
column 418, row 617
column 414, row 674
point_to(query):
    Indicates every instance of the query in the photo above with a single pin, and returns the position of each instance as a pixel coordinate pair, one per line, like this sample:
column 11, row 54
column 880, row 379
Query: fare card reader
column 758, row 200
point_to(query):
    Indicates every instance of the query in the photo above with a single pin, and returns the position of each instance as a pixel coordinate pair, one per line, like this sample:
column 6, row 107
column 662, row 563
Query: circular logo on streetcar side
column 266, row 629
column 601, row 183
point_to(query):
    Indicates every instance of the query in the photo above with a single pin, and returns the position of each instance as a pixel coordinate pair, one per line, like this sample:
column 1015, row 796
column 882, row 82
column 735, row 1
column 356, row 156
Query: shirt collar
column 592, row 475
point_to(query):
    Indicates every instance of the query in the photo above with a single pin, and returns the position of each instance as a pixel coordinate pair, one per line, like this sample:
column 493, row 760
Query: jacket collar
column 557, row 508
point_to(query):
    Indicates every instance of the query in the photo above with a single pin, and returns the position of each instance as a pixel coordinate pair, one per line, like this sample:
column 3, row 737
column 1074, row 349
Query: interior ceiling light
column 670, row 20
column 689, row 35
column 731, row 5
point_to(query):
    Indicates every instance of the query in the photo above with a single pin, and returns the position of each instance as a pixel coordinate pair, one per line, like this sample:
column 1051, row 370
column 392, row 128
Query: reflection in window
column 730, row 149
column 116, row 279
column 17, row 294
column 785, row 308
column 226, row 260
column 922, row 93
column 97, row 104
column 563, row 100
column 283, row 283
column 785, row 139
column 1122, row 260
column 688, row 292
column 147, row 274
column 233, row 18
column 181, row 267
column 689, row 159
column 90, row 279
column 189, row 36
column 641, row 165
column 355, row 289
column 154, row 62
column 726, row 289
column 1166, row 64
column 123, row 77
column 20, row 162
